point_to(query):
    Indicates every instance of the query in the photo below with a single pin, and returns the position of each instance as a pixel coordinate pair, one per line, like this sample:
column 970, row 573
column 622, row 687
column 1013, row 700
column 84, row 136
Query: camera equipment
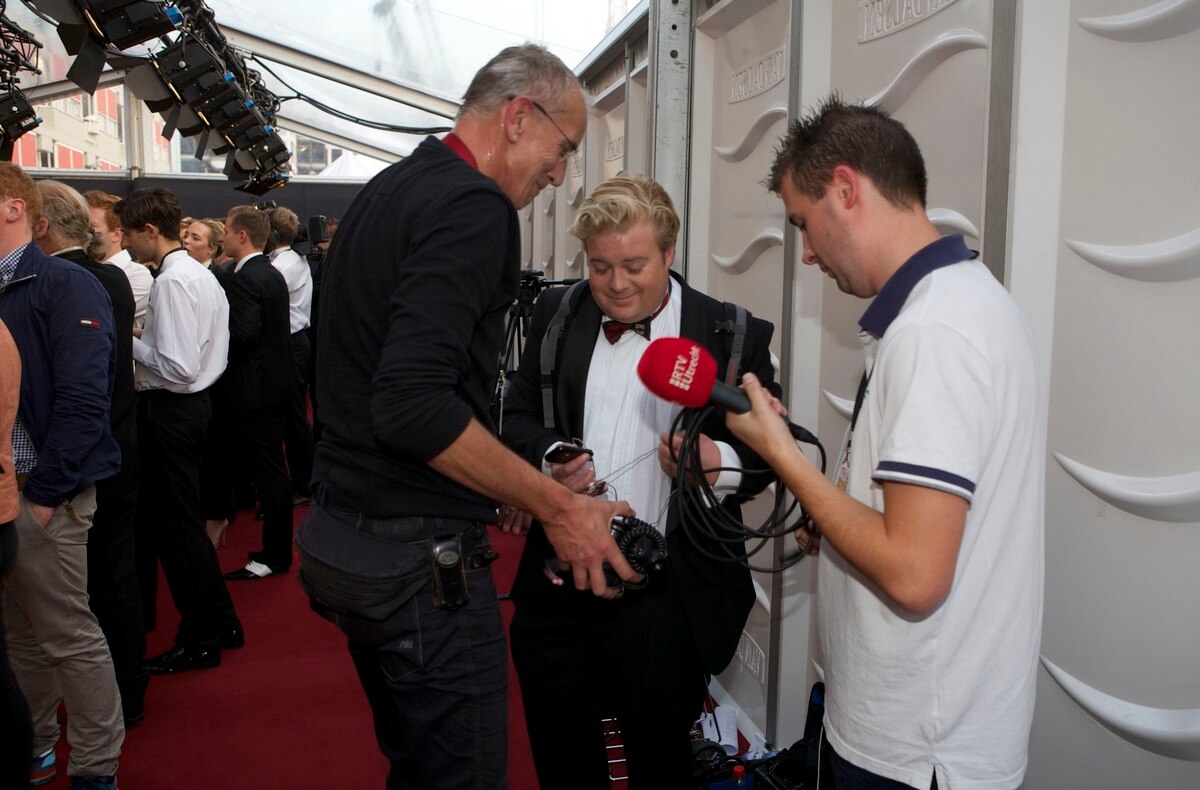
column 642, row 546
column 311, row 234
column 516, row 329
column 307, row 236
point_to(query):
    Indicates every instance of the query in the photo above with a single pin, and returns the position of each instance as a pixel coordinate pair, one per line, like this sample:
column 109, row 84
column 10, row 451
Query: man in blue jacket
column 62, row 322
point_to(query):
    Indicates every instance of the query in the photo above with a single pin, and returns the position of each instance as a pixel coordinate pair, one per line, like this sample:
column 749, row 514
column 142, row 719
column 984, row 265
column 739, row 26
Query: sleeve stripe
column 926, row 476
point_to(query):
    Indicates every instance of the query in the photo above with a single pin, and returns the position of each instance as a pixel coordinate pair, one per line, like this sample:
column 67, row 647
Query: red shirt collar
column 459, row 147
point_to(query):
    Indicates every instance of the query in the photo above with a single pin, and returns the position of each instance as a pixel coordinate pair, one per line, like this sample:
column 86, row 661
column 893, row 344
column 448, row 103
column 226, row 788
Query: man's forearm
column 479, row 461
column 909, row 551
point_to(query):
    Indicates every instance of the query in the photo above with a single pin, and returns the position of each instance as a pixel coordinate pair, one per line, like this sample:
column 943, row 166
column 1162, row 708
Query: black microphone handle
column 729, row 398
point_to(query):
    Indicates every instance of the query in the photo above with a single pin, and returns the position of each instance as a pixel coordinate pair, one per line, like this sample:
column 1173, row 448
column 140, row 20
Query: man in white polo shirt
column 931, row 571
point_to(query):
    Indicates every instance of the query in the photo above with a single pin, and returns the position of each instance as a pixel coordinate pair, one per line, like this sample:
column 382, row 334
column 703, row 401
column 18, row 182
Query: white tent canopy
column 352, row 166
column 397, row 62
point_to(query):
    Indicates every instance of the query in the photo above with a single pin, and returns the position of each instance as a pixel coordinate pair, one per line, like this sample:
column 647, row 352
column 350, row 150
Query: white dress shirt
column 622, row 421
column 296, row 273
column 184, row 345
column 140, row 281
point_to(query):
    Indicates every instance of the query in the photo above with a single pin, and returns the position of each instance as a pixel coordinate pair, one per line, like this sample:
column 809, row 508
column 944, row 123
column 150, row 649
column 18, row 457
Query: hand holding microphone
column 682, row 371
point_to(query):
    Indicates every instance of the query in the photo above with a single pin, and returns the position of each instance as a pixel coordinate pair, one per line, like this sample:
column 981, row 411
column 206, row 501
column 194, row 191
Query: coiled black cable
column 713, row 532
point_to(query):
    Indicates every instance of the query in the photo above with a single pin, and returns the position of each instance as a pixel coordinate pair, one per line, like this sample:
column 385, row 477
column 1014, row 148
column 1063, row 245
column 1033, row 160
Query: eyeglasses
column 568, row 146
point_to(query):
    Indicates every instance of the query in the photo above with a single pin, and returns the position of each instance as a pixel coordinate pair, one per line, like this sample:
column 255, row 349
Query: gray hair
column 67, row 213
column 526, row 70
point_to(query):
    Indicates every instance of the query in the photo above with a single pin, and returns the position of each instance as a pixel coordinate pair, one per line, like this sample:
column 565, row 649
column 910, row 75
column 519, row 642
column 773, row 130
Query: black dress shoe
column 232, row 637
column 183, row 659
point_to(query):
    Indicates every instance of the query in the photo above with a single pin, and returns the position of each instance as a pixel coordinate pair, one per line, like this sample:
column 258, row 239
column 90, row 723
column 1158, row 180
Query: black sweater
column 413, row 296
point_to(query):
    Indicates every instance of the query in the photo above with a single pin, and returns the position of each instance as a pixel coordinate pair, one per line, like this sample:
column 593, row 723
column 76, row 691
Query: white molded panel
column 1118, row 705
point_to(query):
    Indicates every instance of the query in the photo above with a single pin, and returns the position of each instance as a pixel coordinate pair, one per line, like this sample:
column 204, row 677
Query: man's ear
column 41, row 228
column 845, row 187
column 14, row 209
column 514, row 117
column 669, row 254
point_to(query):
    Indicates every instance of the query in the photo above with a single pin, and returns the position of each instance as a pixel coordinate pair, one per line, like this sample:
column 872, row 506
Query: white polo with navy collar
column 953, row 403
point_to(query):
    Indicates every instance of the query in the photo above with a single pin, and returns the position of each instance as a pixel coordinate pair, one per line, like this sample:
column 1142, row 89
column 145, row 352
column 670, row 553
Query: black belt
column 476, row 547
column 163, row 394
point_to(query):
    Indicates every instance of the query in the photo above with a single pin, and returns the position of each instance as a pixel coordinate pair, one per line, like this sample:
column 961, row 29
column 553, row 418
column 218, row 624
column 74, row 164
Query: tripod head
column 533, row 282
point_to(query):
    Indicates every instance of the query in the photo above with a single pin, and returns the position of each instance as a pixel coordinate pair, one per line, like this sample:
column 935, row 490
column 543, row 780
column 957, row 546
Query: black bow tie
column 614, row 329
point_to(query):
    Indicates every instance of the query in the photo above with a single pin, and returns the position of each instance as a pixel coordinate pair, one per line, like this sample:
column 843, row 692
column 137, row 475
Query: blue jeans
column 436, row 679
column 850, row 777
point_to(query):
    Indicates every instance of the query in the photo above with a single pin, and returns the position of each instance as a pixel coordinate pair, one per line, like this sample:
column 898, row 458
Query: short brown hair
column 16, row 183
column 155, row 206
column 624, row 201
column 97, row 199
column 252, row 220
column 286, row 225
column 864, row 138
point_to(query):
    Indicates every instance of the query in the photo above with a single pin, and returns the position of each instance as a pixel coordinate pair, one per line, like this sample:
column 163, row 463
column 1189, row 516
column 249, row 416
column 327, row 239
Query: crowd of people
column 136, row 376
column 155, row 368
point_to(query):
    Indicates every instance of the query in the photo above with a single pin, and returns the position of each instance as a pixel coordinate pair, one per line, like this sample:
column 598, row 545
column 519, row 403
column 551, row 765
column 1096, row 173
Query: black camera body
column 642, row 546
column 308, row 236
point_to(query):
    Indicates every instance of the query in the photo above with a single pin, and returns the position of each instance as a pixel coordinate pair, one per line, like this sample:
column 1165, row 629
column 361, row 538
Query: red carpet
column 286, row 710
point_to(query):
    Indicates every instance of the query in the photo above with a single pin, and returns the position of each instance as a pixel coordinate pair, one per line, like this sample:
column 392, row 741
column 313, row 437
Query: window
column 81, row 131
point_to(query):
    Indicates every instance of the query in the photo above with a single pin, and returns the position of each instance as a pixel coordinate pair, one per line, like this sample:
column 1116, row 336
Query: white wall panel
column 1119, row 703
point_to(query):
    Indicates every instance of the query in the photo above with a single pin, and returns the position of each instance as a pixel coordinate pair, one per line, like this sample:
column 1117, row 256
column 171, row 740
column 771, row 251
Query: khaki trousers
column 55, row 645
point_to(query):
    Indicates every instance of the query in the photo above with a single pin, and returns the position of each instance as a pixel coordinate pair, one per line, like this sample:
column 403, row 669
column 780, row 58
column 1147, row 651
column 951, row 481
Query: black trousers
column 258, row 441
column 436, row 679
column 847, row 776
column 581, row 659
column 114, row 593
column 219, row 468
column 172, row 430
column 297, row 432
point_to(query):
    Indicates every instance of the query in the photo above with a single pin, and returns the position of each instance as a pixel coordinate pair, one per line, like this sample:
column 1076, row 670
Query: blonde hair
column 624, row 201
column 216, row 234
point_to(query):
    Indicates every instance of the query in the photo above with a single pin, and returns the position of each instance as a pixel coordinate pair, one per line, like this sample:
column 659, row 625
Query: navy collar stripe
column 894, row 293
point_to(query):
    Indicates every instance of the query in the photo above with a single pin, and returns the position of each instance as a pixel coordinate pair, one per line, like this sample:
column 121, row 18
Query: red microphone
column 682, row 371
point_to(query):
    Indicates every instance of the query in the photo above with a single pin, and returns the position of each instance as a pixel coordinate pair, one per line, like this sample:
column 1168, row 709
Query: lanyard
column 860, row 397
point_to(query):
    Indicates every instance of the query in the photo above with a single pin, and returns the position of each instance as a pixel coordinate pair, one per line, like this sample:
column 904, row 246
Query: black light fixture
column 89, row 27
column 18, row 51
column 193, row 70
column 16, row 118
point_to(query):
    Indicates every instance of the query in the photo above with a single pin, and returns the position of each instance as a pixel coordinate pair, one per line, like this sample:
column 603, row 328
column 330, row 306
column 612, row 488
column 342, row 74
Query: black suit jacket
column 717, row 595
column 259, row 373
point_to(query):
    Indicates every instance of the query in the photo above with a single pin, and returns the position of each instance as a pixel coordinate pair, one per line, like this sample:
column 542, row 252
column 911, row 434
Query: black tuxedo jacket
column 717, row 595
column 259, row 373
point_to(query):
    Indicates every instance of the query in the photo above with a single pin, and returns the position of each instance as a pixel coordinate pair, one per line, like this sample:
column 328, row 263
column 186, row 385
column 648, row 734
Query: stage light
column 18, row 51
column 193, row 71
column 89, row 27
column 16, row 118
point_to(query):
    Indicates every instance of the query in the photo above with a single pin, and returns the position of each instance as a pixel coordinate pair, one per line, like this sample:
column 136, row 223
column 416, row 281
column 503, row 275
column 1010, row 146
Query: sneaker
column 94, row 782
column 43, row 769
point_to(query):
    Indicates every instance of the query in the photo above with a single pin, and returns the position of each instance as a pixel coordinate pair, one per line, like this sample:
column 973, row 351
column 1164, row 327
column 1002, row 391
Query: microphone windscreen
column 678, row 370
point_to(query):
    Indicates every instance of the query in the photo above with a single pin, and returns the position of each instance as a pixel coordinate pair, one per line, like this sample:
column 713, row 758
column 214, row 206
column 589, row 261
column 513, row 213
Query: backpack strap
column 554, row 333
column 735, row 322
